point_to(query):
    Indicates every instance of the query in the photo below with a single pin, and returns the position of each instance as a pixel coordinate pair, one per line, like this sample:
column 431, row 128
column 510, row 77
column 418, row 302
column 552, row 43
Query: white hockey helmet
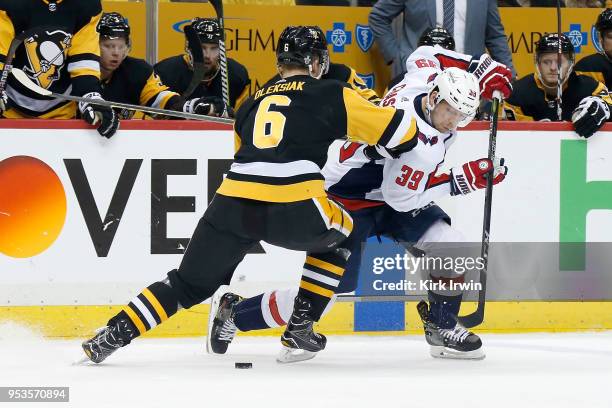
column 460, row 89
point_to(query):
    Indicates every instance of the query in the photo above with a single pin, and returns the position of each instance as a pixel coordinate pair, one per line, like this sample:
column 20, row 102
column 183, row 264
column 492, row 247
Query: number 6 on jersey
column 269, row 125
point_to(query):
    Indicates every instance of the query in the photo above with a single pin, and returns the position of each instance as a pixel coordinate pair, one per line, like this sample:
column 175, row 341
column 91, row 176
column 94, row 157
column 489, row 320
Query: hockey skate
column 299, row 340
column 221, row 327
column 455, row 343
column 107, row 340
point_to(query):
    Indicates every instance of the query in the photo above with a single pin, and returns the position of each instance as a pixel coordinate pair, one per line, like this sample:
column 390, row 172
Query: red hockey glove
column 492, row 76
column 473, row 175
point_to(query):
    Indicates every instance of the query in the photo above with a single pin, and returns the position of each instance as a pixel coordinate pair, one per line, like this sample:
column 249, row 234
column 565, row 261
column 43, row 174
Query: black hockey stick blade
column 14, row 45
column 197, row 56
column 477, row 317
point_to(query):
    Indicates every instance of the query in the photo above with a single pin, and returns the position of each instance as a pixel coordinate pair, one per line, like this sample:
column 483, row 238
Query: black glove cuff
column 372, row 154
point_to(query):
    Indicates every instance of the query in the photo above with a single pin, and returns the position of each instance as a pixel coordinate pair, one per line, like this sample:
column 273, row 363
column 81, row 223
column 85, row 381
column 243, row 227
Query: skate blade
column 214, row 305
column 83, row 361
column 290, row 355
column 444, row 352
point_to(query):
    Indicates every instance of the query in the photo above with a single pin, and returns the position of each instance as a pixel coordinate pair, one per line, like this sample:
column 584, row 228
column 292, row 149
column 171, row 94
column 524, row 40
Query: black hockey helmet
column 549, row 43
column 208, row 29
column 604, row 21
column 114, row 25
column 437, row 35
column 298, row 45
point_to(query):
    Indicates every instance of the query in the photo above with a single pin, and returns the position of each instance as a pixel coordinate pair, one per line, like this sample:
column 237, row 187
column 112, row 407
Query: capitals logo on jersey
column 46, row 54
column 427, row 140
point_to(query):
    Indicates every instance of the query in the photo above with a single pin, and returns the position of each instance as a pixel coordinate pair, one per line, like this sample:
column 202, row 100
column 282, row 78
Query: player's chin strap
column 323, row 67
column 311, row 72
column 564, row 79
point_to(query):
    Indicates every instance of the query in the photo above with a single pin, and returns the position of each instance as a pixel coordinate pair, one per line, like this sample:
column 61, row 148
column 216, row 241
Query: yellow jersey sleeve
column 372, row 124
column 362, row 89
column 513, row 112
column 602, row 91
column 154, row 93
column 598, row 76
column 7, row 33
column 84, row 54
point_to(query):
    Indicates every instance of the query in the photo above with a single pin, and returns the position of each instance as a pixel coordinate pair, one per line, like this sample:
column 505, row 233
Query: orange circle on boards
column 32, row 206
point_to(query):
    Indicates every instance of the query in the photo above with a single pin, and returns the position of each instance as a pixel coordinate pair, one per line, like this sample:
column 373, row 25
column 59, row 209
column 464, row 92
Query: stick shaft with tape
column 25, row 81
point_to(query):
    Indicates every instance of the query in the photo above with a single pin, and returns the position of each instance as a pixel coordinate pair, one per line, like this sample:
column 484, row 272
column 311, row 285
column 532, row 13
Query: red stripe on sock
column 274, row 310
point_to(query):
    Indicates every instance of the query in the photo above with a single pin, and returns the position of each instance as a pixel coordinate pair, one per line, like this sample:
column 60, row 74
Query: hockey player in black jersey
column 63, row 58
column 340, row 72
column 585, row 101
column 392, row 196
column 599, row 65
column 177, row 71
column 273, row 192
column 131, row 80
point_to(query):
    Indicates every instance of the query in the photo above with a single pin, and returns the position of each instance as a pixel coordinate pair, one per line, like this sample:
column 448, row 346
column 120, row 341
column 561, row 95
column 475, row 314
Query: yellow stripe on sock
column 155, row 303
column 316, row 289
column 325, row 265
column 135, row 319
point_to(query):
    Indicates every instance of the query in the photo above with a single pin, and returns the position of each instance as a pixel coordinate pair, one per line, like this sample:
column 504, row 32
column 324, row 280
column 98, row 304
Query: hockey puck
column 243, row 365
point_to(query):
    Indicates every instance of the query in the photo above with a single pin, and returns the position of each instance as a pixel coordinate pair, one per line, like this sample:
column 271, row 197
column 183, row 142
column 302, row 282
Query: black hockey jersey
column 283, row 132
column 176, row 73
column 597, row 66
column 528, row 100
column 63, row 59
column 344, row 73
column 135, row 82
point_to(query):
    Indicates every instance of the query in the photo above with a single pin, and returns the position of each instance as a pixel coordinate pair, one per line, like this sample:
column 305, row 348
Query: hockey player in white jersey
column 394, row 197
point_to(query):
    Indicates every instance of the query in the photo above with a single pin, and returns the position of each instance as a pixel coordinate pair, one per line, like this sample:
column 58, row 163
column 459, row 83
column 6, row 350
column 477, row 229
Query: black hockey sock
column 320, row 278
column 248, row 314
column 442, row 309
column 152, row 306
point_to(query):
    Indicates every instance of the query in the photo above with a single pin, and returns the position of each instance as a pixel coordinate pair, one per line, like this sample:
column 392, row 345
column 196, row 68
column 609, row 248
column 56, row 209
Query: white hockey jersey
column 412, row 180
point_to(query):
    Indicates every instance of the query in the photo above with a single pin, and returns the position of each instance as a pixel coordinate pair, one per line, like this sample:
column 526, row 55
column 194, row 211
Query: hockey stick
column 475, row 318
column 559, row 99
column 218, row 5
column 197, row 60
column 10, row 55
column 27, row 82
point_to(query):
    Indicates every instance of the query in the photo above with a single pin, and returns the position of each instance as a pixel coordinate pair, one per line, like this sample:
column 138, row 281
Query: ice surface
column 527, row 370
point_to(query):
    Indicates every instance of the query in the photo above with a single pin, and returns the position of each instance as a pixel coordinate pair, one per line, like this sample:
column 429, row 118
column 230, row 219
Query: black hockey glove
column 210, row 106
column 590, row 115
column 106, row 118
column 377, row 152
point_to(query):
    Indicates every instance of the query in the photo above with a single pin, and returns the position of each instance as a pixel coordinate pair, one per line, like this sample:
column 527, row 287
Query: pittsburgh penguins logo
column 47, row 54
column 52, row 4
